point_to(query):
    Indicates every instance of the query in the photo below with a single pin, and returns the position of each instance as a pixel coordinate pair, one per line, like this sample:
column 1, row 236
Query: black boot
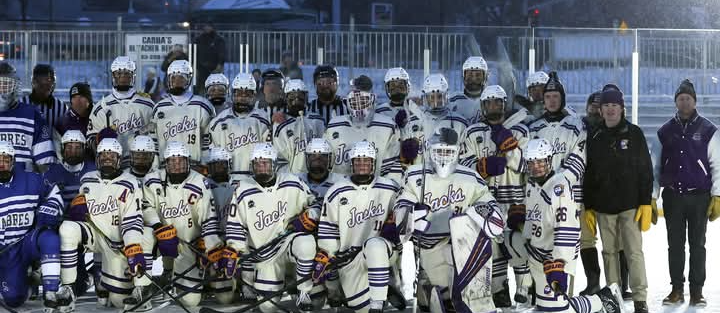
column 502, row 297
column 591, row 264
column 624, row 277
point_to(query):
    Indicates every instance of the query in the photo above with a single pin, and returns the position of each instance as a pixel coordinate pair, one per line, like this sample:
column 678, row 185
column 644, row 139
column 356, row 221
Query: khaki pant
column 612, row 228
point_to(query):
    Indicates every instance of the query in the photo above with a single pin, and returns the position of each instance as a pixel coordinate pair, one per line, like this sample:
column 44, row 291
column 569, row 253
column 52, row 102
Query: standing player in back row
column 475, row 76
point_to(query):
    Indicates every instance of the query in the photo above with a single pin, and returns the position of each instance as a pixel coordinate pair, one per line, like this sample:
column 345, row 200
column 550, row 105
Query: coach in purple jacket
column 690, row 175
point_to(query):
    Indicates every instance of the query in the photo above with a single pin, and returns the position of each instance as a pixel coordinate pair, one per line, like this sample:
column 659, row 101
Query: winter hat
column 362, row 83
column 82, row 89
column 612, row 96
column 594, row 98
column 686, row 86
column 554, row 84
column 611, row 86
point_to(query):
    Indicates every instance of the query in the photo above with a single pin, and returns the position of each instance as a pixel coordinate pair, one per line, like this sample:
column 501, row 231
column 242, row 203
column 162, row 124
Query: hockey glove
column 303, row 223
column 212, row 257
column 503, row 138
column 389, row 230
column 491, row 166
column 420, row 224
column 644, row 216
column 320, row 266
column 228, row 264
column 555, row 275
column 78, row 209
column 136, row 259
column 653, row 203
column 591, row 220
column 49, row 216
column 167, row 240
column 401, row 118
column 409, row 150
column 516, row 216
column 714, row 208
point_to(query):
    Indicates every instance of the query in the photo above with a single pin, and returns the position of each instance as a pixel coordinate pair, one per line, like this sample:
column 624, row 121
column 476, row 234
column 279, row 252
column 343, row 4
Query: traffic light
column 533, row 17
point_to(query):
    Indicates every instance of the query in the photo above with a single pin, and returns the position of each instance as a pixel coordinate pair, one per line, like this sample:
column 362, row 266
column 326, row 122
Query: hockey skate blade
column 615, row 289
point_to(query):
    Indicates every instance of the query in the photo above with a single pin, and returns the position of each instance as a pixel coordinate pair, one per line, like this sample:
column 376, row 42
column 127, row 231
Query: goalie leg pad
column 472, row 256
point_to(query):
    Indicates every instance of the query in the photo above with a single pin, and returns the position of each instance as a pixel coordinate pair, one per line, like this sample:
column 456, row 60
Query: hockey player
column 125, row 110
column 183, row 116
column 142, row 156
column 362, row 124
column 552, row 228
column 357, row 215
column 238, row 128
column 30, row 211
column 397, row 88
column 181, row 212
column 272, row 101
column 216, row 90
column 475, row 75
column 263, row 208
column 454, row 218
column 494, row 149
column 422, row 125
column 318, row 167
column 533, row 103
column 290, row 137
column 66, row 175
column 106, row 218
column 22, row 125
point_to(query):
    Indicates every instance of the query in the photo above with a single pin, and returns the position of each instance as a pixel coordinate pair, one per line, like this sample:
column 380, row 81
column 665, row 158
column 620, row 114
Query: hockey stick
column 332, row 266
column 416, row 247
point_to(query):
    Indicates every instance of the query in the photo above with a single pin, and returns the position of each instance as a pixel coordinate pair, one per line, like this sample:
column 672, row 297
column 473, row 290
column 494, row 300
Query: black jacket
column 619, row 175
column 210, row 51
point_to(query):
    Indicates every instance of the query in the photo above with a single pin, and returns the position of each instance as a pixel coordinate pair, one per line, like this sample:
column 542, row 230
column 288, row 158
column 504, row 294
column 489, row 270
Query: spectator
column 78, row 116
column 328, row 103
column 176, row 53
column 153, row 85
column 41, row 96
column 618, row 186
column 257, row 74
column 290, row 67
column 690, row 175
column 210, row 55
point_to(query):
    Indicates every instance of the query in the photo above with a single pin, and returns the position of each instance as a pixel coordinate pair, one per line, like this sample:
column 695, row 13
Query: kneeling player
column 455, row 219
column 181, row 208
column 262, row 209
column 25, row 198
column 106, row 218
column 356, row 215
column 552, row 228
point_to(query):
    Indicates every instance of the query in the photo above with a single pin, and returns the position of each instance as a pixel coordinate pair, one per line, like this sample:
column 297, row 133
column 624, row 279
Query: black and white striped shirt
column 336, row 108
column 53, row 114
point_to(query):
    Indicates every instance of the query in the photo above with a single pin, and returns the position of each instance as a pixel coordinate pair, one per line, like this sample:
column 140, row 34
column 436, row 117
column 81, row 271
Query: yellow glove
column 591, row 220
column 644, row 215
column 653, row 204
column 714, row 208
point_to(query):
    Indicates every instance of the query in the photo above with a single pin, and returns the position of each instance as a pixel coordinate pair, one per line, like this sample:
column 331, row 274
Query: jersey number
column 536, row 230
column 192, row 138
column 116, row 220
column 190, row 223
column 233, row 210
column 123, row 196
column 378, row 225
column 561, row 215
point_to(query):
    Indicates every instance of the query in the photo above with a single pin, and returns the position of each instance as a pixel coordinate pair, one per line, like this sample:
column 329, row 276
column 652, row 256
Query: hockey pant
column 114, row 279
column 437, row 263
column 192, row 281
column 272, row 263
column 549, row 301
column 510, row 252
column 38, row 244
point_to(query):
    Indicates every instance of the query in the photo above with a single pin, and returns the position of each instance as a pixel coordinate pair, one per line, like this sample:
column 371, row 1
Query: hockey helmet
column 539, row 150
column 475, row 75
column 182, row 72
column 73, row 147
column 444, row 151
column 243, row 92
column 318, row 156
column 362, row 161
column 263, row 162
column 122, row 71
column 361, row 106
column 435, row 94
column 397, row 84
column 492, row 95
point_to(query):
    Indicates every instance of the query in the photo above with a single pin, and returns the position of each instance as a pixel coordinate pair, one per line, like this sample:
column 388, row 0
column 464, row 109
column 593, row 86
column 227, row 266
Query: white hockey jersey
column 189, row 206
column 381, row 132
column 568, row 138
column 390, row 111
column 351, row 214
column 238, row 134
column 467, row 107
column 114, row 206
column 129, row 114
column 290, row 138
column 507, row 187
column 423, row 125
column 260, row 214
column 552, row 221
column 183, row 118
column 445, row 196
column 320, row 190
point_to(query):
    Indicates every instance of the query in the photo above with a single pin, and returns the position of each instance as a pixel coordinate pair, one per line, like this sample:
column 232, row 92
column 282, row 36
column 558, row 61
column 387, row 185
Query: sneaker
column 139, row 295
column 676, row 296
column 376, row 306
column 303, row 302
column 641, row 307
column 611, row 298
column 62, row 301
column 697, row 300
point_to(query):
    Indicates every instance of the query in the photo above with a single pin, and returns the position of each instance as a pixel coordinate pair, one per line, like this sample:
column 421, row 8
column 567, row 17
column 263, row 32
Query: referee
column 328, row 103
column 43, row 85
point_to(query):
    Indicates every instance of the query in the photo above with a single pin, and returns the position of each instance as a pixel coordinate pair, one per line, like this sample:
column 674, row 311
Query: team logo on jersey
column 335, row 135
column 289, row 133
column 184, row 125
column 132, row 122
column 182, row 209
column 157, row 191
column 418, row 182
column 45, row 132
column 251, row 204
column 235, row 142
column 223, row 126
column 558, row 189
column 624, row 144
column 95, row 208
column 15, row 139
column 86, row 189
column 357, row 218
column 415, row 128
column 343, row 201
column 161, row 115
column 533, row 214
column 452, row 196
column 17, row 219
column 266, row 220
column 479, row 139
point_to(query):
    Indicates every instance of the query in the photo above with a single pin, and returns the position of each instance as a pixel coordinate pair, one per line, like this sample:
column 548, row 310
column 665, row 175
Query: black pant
column 686, row 211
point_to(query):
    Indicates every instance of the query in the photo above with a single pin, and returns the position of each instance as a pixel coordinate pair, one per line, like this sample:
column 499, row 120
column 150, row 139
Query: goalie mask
column 218, row 163
column 362, row 162
column 493, row 101
column 296, row 96
column 9, row 86
column 7, row 161
column 109, row 154
column 177, row 161
column 142, row 154
column 243, row 93
column 361, row 105
column 538, row 156
column 318, row 157
column 264, row 163
column 179, row 77
column 475, row 75
column 216, row 89
column 397, row 84
column 73, row 147
column 122, row 71
column 444, row 151
column 435, row 94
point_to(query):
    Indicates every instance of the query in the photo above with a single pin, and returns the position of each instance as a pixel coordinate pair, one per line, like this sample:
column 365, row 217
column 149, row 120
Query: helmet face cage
column 362, row 159
column 7, row 154
column 9, row 91
column 436, row 101
column 318, row 156
column 361, row 106
column 263, row 162
column 539, row 150
column 123, row 68
column 444, row 157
